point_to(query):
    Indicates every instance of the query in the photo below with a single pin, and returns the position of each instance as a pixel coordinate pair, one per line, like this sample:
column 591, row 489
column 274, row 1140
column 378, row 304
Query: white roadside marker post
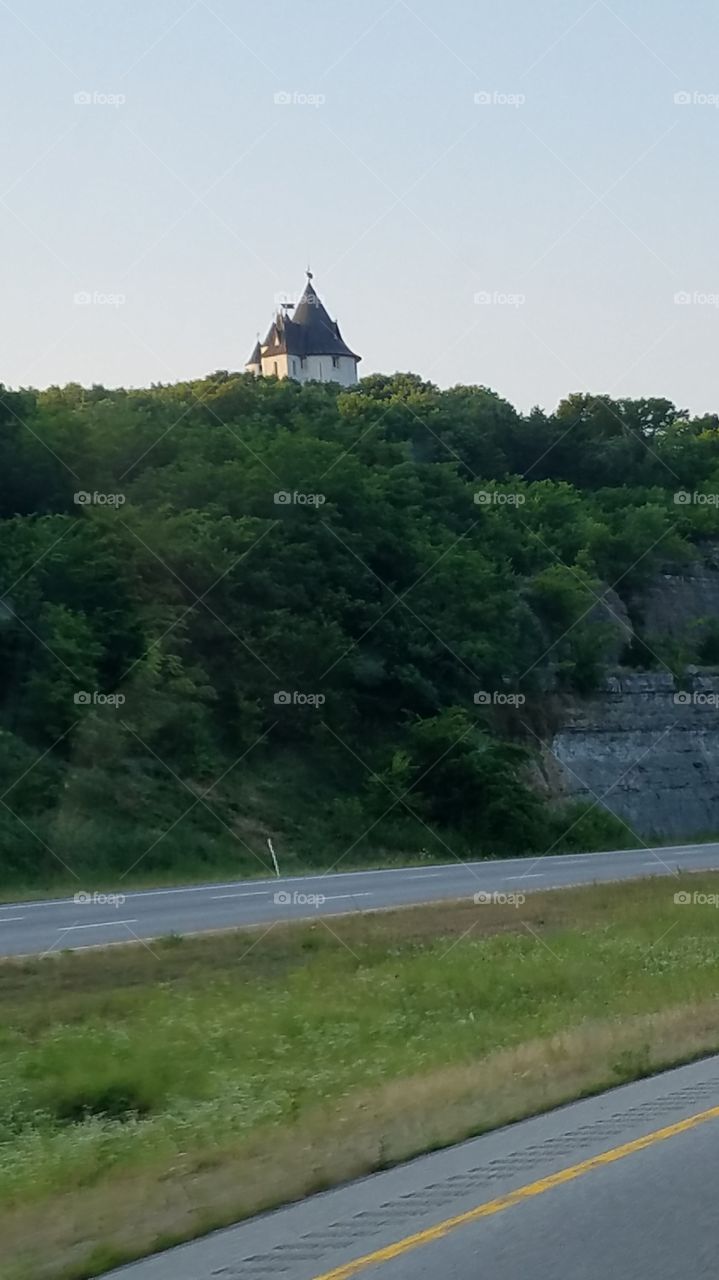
column 274, row 857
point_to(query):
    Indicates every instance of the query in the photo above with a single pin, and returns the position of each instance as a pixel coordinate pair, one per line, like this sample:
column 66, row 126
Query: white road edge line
column 103, row 924
column 482, row 864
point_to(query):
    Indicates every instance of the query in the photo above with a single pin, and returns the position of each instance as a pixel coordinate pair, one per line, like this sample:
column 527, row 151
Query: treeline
column 234, row 608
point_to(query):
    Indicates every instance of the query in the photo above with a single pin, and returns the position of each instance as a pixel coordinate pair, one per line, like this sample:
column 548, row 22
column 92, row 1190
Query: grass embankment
column 148, row 1095
column 321, row 825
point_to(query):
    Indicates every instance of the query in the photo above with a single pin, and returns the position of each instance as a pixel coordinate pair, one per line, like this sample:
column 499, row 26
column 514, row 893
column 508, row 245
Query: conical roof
column 256, row 357
column 321, row 335
column 308, row 332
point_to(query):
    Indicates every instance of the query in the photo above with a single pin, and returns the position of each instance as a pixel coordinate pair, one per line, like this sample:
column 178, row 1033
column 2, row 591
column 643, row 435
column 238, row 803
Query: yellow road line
column 515, row 1197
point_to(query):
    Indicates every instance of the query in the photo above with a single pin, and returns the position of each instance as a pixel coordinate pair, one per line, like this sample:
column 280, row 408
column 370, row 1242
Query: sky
column 520, row 195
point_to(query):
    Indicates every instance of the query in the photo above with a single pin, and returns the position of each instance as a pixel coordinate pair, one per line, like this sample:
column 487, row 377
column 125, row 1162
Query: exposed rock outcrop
column 681, row 599
column 648, row 749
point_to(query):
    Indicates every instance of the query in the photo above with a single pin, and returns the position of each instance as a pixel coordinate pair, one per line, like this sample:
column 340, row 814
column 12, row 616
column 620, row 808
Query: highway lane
column 123, row 916
column 620, row 1185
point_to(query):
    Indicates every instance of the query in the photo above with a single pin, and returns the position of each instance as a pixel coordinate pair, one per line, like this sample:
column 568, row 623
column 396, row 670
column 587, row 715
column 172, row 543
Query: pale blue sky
column 199, row 198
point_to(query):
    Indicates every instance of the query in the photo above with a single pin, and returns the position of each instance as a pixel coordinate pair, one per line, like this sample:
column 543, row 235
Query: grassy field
column 149, row 1093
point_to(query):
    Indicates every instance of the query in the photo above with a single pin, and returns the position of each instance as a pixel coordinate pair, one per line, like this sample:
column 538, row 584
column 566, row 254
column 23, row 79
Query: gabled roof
column 308, row 332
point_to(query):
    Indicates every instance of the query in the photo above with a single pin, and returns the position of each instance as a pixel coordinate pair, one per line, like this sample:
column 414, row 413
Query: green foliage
column 448, row 546
column 458, row 776
column 584, row 827
column 709, row 643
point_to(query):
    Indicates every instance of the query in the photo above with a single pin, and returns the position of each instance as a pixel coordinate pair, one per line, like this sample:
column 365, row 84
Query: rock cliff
column 648, row 750
column 647, row 744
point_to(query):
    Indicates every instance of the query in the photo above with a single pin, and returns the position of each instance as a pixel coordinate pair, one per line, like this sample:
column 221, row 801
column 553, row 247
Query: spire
column 305, row 329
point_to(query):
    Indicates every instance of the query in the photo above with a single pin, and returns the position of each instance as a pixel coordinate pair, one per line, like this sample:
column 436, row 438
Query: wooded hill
column 239, row 607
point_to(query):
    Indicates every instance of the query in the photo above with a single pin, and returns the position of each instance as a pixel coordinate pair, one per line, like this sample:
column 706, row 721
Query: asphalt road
column 57, row 924
column 622, row 1185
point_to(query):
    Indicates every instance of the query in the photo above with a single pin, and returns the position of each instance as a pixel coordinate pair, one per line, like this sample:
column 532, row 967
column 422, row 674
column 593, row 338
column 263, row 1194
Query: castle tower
column 306, row 345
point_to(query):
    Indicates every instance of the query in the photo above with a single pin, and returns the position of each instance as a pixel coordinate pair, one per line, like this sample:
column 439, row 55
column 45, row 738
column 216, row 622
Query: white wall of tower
column 312, row 369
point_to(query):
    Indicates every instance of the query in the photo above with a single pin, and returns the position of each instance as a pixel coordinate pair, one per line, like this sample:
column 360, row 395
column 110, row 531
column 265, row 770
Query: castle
column 305, row 345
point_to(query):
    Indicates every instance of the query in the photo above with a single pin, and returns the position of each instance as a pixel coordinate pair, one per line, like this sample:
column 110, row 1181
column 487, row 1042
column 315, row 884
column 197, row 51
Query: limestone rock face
column 648, row 748
column 611, row 612
column 647, row 744
column 679, row 602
